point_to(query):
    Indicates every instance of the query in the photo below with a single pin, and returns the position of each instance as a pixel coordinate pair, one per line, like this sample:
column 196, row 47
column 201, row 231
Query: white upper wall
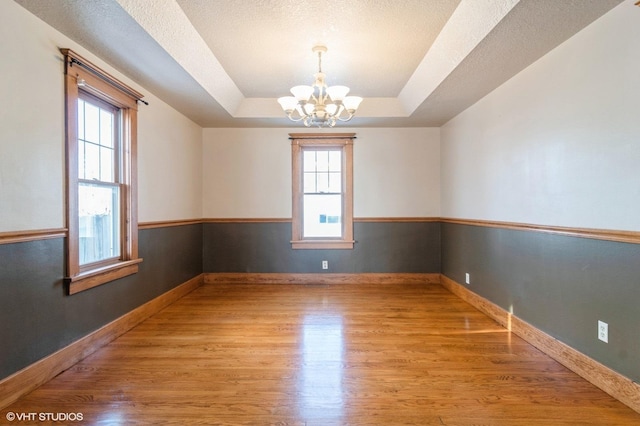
column 558, row 144
column 31, row 123
column 169, row 164
column 396, row 172
column 247, row 172
column 32, row 134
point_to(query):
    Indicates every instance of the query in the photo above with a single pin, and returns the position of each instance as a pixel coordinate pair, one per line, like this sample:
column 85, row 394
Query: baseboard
column 615, row 384
column 40, row 372
column 286, row 278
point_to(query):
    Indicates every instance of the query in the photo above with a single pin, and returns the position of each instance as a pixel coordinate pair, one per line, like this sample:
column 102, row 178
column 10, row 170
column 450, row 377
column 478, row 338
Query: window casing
column 101, row 184
column 322, row 171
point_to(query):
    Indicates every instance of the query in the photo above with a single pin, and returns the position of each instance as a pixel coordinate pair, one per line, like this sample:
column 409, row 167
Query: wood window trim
column 345, row 142
column 107, row 88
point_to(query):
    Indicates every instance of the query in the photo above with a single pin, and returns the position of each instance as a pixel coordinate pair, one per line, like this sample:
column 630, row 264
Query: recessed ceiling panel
column 265, row 45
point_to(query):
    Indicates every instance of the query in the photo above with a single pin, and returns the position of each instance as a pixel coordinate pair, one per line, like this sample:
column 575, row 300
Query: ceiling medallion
column 319, row 105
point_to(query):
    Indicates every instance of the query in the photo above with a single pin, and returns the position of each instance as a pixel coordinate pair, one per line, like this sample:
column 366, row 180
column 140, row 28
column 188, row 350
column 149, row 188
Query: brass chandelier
column 319, row 105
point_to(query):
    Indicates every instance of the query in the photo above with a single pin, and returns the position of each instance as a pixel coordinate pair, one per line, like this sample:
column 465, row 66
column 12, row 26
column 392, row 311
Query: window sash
column 322, row 216
column 99, row 223
column 103, row 145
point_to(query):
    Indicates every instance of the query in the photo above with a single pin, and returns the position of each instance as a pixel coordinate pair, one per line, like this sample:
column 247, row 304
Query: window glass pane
column 106, row 128
column 309, row 184
column 322, row 216
column 335, row 182
column 91, row 161
column 322, row 161
column 99, row 222
column 309, row 161
column 81, row 160
column 80, row 119
column 335, row 161
column 106, row 165
column 323, row 182
column 91, row 123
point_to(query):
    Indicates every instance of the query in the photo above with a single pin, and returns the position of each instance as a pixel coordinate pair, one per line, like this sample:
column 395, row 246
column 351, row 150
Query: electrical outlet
column 325, row 264
column 467, row 278
column 603, row 331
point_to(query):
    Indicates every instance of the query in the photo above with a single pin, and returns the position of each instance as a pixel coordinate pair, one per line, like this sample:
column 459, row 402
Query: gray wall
column 410, row 247
column 38, row 318
column 561, row 285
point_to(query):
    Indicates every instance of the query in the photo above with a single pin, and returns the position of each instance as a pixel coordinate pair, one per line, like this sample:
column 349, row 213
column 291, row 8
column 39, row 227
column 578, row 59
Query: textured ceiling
column 374, row 45
column 223, row 63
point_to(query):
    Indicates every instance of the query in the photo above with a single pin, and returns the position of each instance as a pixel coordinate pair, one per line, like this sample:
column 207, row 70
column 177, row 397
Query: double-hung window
column 99, row 181
column 322, row 190
column 102, row 243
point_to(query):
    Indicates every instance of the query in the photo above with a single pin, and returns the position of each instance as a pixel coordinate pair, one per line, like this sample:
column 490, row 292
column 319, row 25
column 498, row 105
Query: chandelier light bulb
column 288, row 103
column 302, row 93
column 332, row 109
column 319, row 105
column 351, row 103
column 337, row 93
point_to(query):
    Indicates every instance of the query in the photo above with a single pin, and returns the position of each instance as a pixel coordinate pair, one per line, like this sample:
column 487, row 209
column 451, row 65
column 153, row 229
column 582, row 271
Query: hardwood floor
column 356, row 354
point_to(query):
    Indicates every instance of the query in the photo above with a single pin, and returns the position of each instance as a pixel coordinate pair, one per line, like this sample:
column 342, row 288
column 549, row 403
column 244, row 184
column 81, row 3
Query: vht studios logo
column 45, row 417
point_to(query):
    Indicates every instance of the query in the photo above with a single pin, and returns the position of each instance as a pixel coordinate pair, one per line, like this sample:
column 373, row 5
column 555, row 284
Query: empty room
column 248, row 212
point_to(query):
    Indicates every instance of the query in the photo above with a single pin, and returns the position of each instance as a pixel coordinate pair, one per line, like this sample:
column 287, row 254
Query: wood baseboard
column 40, row 372
column 285, row 278
column 615, row 384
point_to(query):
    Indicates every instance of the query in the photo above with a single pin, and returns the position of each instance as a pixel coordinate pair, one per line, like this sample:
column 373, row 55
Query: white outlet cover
column 603, row 331
column 467, row 278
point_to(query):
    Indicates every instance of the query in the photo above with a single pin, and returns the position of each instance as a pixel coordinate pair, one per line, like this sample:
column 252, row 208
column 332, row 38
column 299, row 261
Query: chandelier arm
column 339, row 110
column 308, row 121
column 349, row 117
column 291, row 117
column 302, row 111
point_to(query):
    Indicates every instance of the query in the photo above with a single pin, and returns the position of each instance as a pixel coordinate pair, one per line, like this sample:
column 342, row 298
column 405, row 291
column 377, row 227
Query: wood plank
column 620, row 387
column 323, row 355
column 29, row 378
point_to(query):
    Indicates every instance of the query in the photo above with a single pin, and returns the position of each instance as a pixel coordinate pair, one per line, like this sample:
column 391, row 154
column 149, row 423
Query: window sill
column 99, row 276
column 322, row 244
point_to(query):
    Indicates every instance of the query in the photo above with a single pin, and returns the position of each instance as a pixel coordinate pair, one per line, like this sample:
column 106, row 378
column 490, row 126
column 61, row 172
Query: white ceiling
column 223, row 63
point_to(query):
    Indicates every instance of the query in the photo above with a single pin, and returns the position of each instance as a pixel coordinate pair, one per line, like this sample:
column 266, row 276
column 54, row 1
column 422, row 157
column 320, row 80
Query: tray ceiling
column 223, row 63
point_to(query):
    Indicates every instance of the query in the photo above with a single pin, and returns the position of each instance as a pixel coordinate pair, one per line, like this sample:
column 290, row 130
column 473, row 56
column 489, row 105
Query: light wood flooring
column 358, row 354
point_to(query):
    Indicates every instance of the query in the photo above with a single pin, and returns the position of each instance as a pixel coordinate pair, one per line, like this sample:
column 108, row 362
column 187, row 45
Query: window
column 322, row 190
column 98, row 181
column 102, row 243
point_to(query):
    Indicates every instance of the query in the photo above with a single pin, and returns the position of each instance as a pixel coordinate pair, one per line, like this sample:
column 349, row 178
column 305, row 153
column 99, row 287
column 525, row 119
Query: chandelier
column 319, row 105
